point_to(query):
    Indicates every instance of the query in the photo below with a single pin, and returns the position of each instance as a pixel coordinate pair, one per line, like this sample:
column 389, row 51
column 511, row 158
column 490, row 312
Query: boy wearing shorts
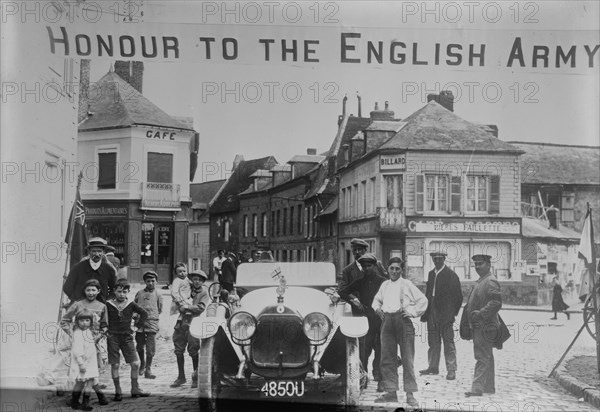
column 151, row 301
column 120, row 337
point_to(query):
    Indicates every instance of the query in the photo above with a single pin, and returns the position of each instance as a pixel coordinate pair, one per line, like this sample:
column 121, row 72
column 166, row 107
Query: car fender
column 353, row 327
column 208, row 323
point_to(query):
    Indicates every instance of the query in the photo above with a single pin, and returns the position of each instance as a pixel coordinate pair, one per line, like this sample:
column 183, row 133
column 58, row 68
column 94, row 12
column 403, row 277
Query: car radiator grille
column 279, row 340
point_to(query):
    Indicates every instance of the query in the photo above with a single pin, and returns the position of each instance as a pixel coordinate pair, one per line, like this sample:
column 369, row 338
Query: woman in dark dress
column 558, row 304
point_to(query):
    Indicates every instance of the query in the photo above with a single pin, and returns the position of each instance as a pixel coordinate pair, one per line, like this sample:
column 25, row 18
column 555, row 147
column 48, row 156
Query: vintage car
column 287, row 338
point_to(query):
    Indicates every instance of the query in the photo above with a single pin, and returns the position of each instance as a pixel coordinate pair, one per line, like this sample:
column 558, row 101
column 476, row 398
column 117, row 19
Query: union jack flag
column 79, row 212
column 76, row 235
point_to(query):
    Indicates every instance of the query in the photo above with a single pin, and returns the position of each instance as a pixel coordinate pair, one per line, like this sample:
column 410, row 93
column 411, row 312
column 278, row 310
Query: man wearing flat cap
column 482, row 308
column 444, row 296
column 354, row 270
column 367, row 286
column 96, row 267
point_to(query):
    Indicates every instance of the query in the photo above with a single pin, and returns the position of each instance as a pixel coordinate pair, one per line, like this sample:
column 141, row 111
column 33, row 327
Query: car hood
column 301, row 299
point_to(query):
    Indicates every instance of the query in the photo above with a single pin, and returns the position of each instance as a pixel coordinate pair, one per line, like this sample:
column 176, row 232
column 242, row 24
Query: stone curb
column 576, row 387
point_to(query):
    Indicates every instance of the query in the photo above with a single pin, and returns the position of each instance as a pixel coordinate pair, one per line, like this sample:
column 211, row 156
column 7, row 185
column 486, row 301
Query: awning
column 535, row 228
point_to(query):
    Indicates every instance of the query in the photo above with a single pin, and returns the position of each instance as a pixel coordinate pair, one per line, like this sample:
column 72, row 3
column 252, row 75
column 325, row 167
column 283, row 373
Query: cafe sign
column 465, row 226
column 392, row 162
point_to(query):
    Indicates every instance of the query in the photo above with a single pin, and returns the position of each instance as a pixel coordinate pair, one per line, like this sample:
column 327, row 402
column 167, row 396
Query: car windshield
column 296, row 274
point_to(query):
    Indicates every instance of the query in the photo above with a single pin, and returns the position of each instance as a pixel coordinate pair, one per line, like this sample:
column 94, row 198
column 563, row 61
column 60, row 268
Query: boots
column 75, row 395
column 148, row 373
column 118, row 394
column 101, row 397
column 85, row 405
column 142, row 363
column 195, row 379
column 136, row 391
column 181, row 377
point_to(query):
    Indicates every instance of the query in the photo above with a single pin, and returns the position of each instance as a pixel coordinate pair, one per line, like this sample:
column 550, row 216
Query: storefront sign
column 392, row 162
column 158, row 134
column 160, row 204
column 465, row 226
column 105, row 211
column 357, row 228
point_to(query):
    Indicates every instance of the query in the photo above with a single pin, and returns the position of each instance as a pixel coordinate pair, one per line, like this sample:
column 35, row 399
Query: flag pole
column 69, row 246
column 592, row 271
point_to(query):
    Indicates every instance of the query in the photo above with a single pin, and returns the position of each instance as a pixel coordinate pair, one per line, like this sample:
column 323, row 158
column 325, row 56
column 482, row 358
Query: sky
column 245, row 103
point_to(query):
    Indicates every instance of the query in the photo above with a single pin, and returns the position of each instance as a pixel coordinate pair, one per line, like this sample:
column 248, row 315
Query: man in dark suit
column 482, row 308
column 444, row 297
column 354, row 270
column 96, row 267
column 228, row 272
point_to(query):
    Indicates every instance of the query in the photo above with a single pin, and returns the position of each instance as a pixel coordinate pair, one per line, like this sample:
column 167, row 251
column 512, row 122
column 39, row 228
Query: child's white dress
column 181, row 291
column 83, row 352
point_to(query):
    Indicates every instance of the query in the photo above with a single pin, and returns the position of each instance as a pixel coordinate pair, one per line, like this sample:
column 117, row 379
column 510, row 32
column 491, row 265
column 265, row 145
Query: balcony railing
column 391, row 218
column 160, row 195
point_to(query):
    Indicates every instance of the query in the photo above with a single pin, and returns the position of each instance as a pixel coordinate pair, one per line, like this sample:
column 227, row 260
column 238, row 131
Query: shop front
column 460, row 239
column 144, row 239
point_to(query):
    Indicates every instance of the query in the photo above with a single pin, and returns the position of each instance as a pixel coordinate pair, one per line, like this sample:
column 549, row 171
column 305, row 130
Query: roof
column 306, row 159
column 559, row 164
column 226, row 200
column 282, row 168
column 261, row 173
column 330, row 208
column 348, row 128
column 386, row 125
column 434, row 127
column 538, row 229
column 202, row 193
column 117, row 104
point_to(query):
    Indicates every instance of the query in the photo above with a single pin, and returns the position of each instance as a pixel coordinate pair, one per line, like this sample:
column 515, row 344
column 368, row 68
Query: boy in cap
column 444, row 296
column 396, row 301
column 354, row 270
column 181, row 336
column 367, row 287
column 151, row 301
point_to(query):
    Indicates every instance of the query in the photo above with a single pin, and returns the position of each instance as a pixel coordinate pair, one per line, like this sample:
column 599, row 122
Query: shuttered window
column 107, row 164
column 455, row 194
column 494, row 194
column 160, row 167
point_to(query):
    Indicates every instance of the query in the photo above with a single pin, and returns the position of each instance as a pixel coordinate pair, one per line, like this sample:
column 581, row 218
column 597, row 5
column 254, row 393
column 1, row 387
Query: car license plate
column 283, row 389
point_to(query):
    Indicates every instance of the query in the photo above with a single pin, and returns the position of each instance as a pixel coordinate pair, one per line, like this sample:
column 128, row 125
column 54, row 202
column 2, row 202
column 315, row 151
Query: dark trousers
column 436, row 333
column 483, row 377
column 182, row 339
column 146, row 340
column 369, row 343
column 397, row 330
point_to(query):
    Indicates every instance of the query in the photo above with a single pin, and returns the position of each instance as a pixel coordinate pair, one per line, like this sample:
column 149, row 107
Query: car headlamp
column 316, row 327
column 242, row 326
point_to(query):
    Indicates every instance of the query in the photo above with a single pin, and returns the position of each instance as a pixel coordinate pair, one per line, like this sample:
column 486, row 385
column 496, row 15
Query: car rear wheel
column 208, row 376
column 352, row 378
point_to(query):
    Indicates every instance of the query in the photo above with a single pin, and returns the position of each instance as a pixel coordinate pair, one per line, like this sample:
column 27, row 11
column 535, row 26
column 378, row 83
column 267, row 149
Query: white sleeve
column 418, row 301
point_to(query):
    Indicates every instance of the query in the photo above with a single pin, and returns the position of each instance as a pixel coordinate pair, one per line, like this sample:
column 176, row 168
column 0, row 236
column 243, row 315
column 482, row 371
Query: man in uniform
column 444, row 297
column 482, row 308
column 367, row 287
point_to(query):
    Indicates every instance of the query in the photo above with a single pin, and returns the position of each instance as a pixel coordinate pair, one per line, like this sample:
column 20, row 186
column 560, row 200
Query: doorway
column 157, row 249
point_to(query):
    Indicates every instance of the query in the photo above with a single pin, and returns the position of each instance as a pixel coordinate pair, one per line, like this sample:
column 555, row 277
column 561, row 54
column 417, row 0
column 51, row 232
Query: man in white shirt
column 217, row 262
column 396, row 302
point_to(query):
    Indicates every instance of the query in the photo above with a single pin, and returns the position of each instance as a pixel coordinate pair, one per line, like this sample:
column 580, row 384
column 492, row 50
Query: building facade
column 433, row 182
column 136, row 166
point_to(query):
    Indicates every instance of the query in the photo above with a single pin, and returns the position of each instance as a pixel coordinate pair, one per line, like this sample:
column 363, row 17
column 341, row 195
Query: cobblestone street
column 522, row 368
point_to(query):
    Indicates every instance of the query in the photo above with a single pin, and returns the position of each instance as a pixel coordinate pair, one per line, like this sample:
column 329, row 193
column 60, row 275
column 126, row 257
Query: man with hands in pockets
column 395, row 303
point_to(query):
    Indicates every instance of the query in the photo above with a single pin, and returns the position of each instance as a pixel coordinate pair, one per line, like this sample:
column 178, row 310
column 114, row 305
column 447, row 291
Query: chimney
column 382, row 114
column 84, row 86
column 236, row 162
column 359, row 105
column 445, row 98
column 311, row 151
column 344, row 105
column 131, row 72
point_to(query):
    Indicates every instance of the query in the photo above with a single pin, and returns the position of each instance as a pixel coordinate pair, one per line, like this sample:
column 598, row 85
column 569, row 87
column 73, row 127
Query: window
column 264, row 225
column 195, row 264
column 355, row 199
column 343, row 204
column 196, row 239
column 160, row 167
column 393, row 190
column 245, row 230
column 477, row 193
column 226, row 230
column 107, row 174
column 277, row 220
column 300, row 223
column 255, row 225
column 436, row 193
column 272, row 224
column 285, row 221
column 291, row 220
column 374, row 202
